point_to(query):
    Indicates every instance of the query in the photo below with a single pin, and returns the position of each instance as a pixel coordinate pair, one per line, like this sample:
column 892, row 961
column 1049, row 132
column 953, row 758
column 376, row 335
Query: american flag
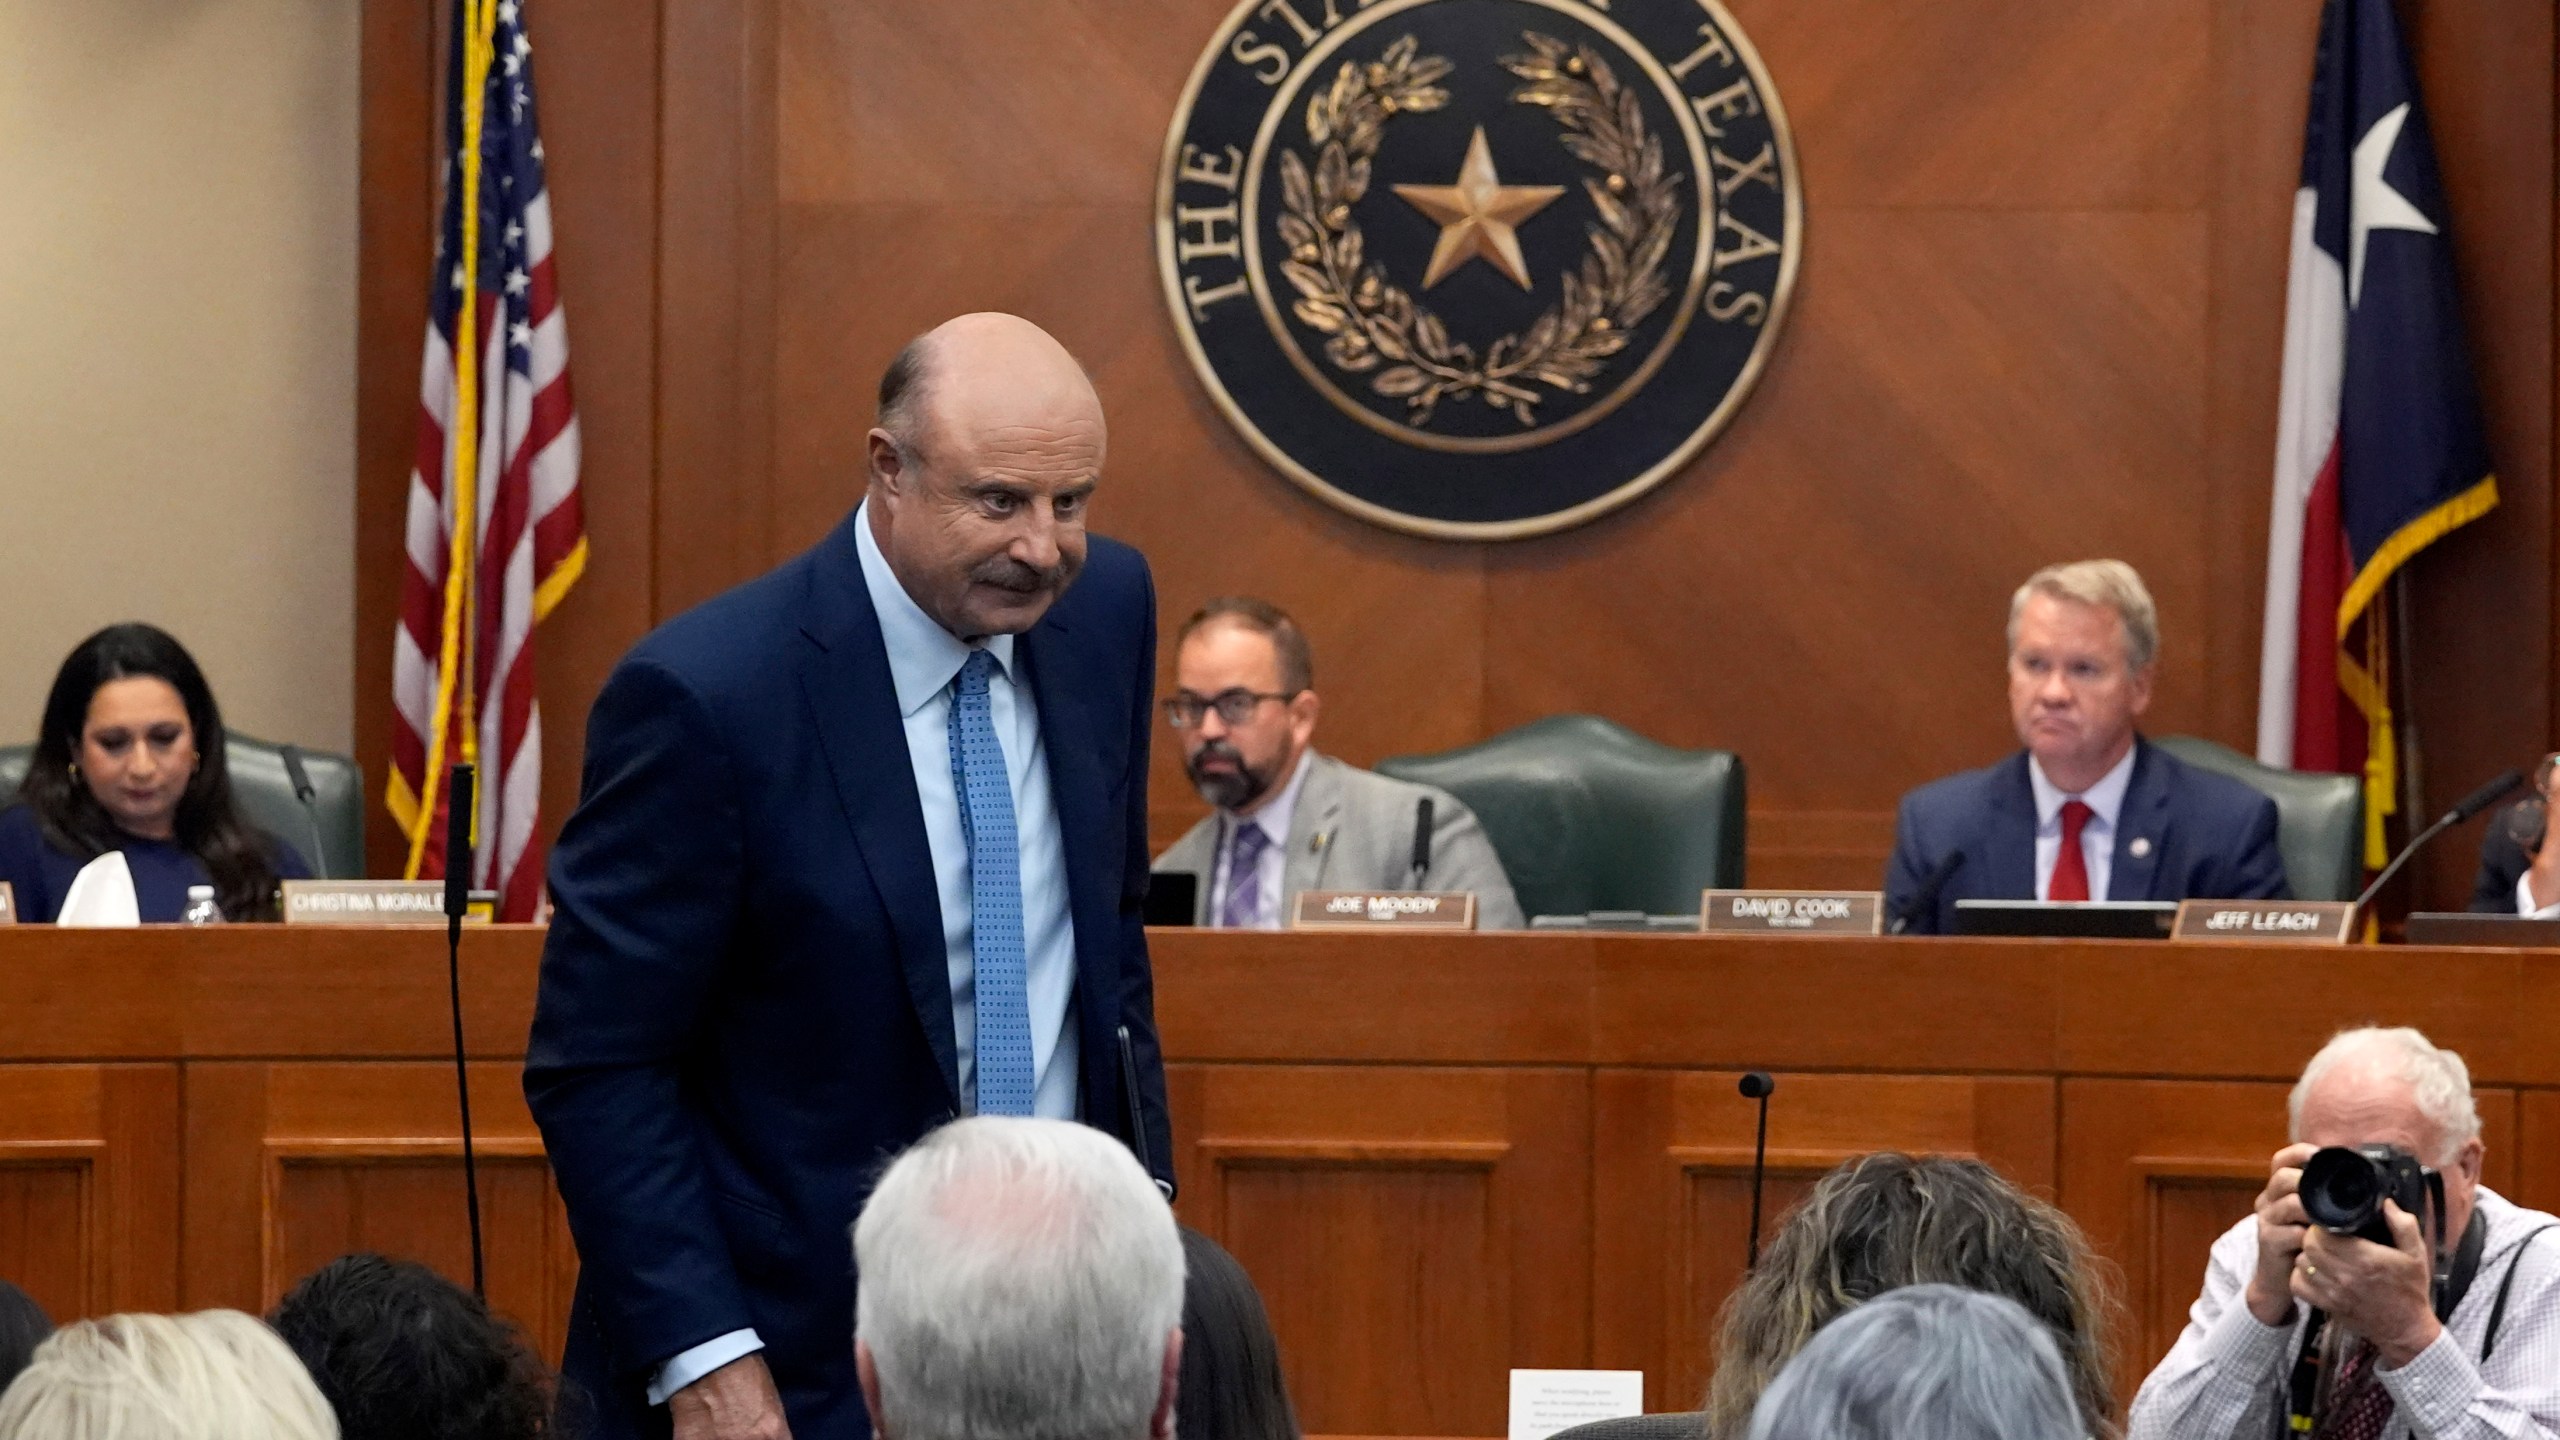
column 463, row 660
column 2379, row 448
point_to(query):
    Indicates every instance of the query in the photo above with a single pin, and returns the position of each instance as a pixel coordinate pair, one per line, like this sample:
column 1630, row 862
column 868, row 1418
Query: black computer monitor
column 1173, row 897
column 2085, row 920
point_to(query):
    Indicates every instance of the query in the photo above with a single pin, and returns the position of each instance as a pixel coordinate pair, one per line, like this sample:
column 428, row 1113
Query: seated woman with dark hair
column 404, row 1354
column 1230, row 1387
column 1885, row 1221
column 130, row 758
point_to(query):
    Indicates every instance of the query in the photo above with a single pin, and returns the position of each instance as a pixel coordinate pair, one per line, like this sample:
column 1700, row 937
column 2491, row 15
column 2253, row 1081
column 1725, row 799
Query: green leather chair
column 2319, row 818
column 266, row 795
column 1588, row 815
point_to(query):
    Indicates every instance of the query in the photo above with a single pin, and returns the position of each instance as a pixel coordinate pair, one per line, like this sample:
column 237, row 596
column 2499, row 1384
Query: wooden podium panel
column 2156, row 1170
column 294, row 1164
column 89, row 1186
column 1440, row 1156
column 1672, row 1178
column 1415, row 1233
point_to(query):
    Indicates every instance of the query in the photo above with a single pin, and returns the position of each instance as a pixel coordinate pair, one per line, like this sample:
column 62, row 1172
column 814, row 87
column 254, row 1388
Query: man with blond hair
column 2446, row 1333
column 2087, row 810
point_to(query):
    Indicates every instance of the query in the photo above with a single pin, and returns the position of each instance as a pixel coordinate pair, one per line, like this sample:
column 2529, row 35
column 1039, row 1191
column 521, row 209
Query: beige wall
column 177, row 345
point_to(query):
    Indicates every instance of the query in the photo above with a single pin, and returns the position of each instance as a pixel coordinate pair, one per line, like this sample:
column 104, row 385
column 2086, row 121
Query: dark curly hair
column 404, row 1354
column 240, row 858
column 1888, row 1220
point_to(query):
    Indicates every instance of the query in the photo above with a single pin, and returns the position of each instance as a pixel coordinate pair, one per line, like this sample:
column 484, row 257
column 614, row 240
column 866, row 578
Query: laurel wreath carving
column 1373, row 325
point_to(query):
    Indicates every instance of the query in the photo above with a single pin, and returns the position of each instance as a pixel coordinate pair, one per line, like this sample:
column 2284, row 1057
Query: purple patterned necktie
column 1244, row 875
column 2359, row 1407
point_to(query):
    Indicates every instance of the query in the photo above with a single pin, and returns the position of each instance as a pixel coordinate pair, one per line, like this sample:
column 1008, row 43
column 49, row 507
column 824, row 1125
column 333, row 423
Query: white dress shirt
column 2224, row 1378
column 924, row 661
column 1271, row 911
column 2524, row 901
column 2097, row 835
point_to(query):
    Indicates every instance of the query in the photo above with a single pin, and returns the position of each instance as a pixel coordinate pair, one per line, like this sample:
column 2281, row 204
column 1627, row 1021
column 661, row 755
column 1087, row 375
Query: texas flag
column 2378, row 440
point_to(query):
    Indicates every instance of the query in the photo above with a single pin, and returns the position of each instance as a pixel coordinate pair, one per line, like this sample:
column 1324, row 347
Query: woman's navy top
column 41, row 876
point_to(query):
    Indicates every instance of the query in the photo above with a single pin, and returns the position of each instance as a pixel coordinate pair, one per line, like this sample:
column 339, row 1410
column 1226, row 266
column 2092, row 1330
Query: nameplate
column 2280, row 922
column 8, row 904
column 376, row 902
column 1383, row 909
column 1792, row 912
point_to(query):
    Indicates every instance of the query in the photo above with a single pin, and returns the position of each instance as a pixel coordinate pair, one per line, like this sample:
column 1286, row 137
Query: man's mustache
column 1006, row 573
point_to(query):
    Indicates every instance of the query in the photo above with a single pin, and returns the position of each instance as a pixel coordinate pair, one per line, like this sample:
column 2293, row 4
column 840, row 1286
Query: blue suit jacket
column 745, row 1008
column 2210, row 837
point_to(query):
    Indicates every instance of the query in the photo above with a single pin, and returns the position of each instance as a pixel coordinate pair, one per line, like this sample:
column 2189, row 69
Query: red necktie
column 2359, row 1407
column 2071, row 868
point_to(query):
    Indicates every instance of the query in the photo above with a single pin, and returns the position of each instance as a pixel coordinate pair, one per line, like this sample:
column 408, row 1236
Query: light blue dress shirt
column 924, row 660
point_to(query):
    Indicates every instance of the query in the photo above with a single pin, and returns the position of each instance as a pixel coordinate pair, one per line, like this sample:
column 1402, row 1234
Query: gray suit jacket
column 1353, row 830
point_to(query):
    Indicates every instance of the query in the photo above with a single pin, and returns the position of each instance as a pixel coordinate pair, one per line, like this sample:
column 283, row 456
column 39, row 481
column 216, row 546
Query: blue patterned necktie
column 995, row 895
column 1244, row 875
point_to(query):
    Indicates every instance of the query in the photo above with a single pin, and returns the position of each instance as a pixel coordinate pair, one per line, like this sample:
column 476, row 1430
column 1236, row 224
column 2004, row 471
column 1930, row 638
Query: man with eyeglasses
column 2088, row 810
column 1287, row 818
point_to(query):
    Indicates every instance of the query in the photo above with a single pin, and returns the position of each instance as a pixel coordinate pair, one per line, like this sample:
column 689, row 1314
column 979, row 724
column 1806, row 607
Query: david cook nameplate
column 2297, row 922
column 1478, row 269
column 374, row 902
column 1792, row 912
column 1389, row 909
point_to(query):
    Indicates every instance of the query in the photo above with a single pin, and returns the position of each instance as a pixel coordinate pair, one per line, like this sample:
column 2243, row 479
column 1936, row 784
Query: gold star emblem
column 1478, row 216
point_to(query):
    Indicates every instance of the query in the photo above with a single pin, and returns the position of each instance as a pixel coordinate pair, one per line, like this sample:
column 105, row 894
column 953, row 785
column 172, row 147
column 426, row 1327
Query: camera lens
column 2341, row 1189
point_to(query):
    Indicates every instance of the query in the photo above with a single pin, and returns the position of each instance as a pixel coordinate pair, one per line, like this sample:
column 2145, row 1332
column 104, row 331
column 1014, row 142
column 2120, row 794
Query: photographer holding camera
column 2381, row 1290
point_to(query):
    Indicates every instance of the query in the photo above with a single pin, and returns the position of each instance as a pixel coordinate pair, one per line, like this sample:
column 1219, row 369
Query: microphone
column 1925, row 898
column 2470, row 805
column 303, row 791
column 459, row 807
column 1421, row 839
column 1758, row 1085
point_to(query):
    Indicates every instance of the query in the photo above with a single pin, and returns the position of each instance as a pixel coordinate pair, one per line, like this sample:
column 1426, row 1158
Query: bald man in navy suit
column 860, row 847
column 2088, row 810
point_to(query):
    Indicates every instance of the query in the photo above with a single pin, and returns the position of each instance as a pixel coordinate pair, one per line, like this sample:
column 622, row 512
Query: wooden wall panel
column 2039, row 316
column 292, row 1165
column 1414, row 1233
column 1672, row 1175
column 2156, row 1170
column 89, row 1186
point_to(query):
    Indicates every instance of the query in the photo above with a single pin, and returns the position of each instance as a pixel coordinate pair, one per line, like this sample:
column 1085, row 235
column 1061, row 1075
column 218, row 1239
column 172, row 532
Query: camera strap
column 2498, row 1312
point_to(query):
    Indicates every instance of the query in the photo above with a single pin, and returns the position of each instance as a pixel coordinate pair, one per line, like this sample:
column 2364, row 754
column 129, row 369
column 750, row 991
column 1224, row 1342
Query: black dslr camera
column 2343, row 1190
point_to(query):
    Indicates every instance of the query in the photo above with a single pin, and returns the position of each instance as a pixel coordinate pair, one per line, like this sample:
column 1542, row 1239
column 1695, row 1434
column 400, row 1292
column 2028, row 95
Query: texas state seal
column 1479, row 269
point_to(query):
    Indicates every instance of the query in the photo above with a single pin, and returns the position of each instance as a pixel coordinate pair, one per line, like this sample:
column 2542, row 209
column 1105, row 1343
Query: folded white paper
column 1546, row 1401
column 102, row 894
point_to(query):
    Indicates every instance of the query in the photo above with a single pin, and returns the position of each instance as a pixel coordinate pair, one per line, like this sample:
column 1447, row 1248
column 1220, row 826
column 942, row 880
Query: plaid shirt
column 2225, row 1378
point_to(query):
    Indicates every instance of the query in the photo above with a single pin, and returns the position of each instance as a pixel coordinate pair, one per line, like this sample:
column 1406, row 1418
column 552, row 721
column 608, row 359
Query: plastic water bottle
column 200, row 907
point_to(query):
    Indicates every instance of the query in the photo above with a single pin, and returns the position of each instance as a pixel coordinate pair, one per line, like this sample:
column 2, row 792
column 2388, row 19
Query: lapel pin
column 2140, row 847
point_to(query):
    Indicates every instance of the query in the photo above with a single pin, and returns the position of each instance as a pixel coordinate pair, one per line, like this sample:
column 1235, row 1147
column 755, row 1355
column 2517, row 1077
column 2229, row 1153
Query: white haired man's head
column 1019, row 1280
column 2376, row 1086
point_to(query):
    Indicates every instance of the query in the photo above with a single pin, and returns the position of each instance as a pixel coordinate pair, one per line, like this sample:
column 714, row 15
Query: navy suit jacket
column 745, row 1009
column 2209, row 837
column 2502, row 863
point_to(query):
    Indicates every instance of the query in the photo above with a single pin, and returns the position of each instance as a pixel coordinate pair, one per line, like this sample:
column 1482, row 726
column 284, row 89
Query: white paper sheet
column 1546, row 1401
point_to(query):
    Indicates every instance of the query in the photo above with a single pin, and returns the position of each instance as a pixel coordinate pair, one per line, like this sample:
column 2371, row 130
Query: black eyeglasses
column 1235, row 707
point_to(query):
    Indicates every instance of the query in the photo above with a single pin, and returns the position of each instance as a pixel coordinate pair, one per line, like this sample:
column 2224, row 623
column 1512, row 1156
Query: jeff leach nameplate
column 1383, row 909
column 1792, row 912
column 1478, row 269
column 2293, row 922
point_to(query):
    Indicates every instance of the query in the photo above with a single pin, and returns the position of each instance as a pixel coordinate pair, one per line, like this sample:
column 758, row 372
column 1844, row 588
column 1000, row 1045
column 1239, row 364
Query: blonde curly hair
column 1888, row 1220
